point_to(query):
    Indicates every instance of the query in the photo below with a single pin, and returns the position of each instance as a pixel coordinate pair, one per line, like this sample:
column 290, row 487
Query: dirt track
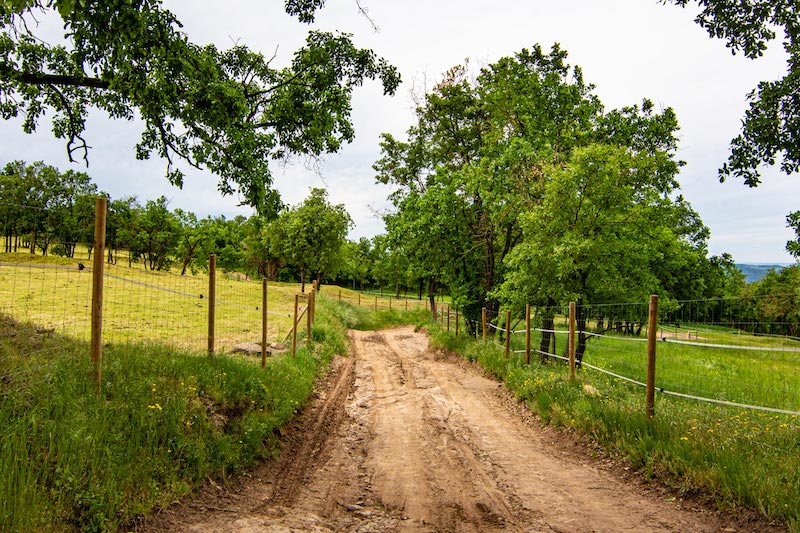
column 400, row 439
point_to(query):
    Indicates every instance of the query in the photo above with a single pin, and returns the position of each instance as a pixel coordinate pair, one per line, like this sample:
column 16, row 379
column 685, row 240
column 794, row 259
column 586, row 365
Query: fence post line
column 264, row 323
column 448, row 317
column 340, row 295
column 96, row 345
column 359, row 299
column 527, row 334
column 309, row 315
column 508, row 332
column 406, row 304
column 212, row 300
column 483, row 322
column 313, row 307
column 294, row 326
column 652, row 325
column 458, row 319
column 571, row 341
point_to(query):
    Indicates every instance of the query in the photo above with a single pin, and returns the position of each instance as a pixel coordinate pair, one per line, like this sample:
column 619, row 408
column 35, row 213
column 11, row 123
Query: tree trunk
column 432, row 296
column 580, row 325
column 302, row 280
column 547, row 325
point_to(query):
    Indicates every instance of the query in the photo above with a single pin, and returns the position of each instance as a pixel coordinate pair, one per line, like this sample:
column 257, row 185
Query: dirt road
column 402, row 439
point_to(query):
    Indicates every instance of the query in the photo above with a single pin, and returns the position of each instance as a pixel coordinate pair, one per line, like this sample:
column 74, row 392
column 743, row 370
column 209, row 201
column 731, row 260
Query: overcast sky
column 630, row 49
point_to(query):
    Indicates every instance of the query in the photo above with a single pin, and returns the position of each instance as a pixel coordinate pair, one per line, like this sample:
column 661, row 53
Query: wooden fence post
column 527, row 334
column 508, row 332
column 309, row 315
column 406, row 304
column 652, row 326
column 340, row 295
column 376, row 302
column 571, row 341
column 483, row 322
column 458, row 319
column 212, row 300
column 96, row 345
column 359, row 299
column 448, row 317
column 390, row 303
column 294, row 326
column 264, row 323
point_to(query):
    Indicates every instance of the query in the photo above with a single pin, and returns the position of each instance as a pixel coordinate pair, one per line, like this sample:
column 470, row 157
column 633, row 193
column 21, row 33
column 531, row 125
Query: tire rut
column 401, row 439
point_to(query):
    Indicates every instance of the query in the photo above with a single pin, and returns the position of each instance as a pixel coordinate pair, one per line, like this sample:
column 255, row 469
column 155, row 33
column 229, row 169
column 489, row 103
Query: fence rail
column 696, row 361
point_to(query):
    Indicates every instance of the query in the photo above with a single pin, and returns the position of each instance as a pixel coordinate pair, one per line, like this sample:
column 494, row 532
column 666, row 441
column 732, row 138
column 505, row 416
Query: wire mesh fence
column 46, row 296
column 703, row 355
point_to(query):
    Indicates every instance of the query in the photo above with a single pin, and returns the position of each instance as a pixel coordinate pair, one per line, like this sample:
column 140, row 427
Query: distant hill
column 756, row 272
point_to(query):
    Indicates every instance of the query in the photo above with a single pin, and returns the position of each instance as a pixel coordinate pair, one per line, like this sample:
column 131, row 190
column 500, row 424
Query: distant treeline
column 49, row 212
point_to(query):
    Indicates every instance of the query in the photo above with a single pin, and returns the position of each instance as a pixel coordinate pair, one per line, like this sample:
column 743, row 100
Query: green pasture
column 696, row 359
column 733, row 455
column 158, row 306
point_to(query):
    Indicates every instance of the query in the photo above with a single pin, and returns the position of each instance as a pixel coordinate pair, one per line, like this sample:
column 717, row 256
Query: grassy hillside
column 754, row 272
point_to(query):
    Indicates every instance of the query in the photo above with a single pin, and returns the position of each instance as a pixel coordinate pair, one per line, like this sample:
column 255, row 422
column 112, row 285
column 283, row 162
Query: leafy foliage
column 771, row 126
column 313, row 234
column 229, row 111
column 515, row 184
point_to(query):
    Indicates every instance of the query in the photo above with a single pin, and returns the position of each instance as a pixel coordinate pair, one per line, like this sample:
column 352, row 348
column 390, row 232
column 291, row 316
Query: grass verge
column 165, row 420
column 735, row 457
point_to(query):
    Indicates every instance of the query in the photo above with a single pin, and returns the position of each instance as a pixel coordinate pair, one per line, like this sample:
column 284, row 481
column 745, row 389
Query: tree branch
column 57, row 80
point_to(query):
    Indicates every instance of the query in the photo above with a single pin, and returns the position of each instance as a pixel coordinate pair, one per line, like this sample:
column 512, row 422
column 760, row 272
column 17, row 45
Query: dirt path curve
column 400, row 439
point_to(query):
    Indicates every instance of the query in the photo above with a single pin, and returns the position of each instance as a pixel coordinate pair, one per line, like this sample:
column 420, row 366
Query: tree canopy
column 771, row 125
column 313, row 235
column 491, row 151
column 229, row 111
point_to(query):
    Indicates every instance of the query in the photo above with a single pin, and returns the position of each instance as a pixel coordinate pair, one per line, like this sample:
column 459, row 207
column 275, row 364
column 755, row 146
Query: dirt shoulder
column 399, row 438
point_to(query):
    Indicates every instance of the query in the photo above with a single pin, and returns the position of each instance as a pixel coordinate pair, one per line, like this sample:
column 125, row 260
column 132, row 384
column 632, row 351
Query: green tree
column 229, row 111
column 120, row 220
column 313, row 235
column 479, row 156
column 777, row 301
column 793, row 246
column 605, row 222
column 45, row 205
column 195, row 243
column 156, row 234
column 770, row 125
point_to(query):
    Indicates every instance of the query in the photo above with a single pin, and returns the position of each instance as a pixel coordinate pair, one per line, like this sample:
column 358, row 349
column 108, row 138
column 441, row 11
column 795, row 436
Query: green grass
column 737, row 456
column 166, row 419
column 140, row 304
column 365, row 317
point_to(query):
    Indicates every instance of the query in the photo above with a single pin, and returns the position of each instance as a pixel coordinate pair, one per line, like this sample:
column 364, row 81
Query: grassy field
column 143, row 305
column 736, row 456
column 167, row 418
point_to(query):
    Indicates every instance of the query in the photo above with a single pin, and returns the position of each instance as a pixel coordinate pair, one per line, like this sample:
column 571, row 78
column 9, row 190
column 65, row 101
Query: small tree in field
column 314, row 235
